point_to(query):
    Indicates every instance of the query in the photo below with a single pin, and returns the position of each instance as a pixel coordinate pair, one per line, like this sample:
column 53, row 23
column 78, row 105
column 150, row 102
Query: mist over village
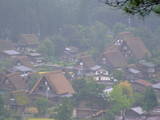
column 79, row 60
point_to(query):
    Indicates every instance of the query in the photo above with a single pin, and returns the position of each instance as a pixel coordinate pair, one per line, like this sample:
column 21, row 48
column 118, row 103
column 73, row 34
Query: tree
column 3, row 112
column 118, row 74
column 150, row 100
column 141, row 7
column 5, row 64
column 89, row 90
column 121, row 98
column 64, row 111
column 47, row 48
column 59, row 44
column 110, row 115
column 42, row 105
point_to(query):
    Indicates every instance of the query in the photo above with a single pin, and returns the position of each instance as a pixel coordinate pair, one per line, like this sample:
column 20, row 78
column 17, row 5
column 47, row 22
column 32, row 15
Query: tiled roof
column 156, row 86
column 11, row 52
column 22, row 68
column 144, row 83
column 138, row 110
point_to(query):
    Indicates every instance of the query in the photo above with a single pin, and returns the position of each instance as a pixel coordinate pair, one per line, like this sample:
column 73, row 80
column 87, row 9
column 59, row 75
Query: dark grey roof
column 11, row 52
column 23, row 68
column 96, row 67
column 138, row 110
column 132, row 70
column 156, row 86
column 146, row 63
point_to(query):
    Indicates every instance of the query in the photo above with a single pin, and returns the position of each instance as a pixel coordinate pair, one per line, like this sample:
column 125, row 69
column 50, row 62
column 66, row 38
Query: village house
column 155, row 111
column 83, row 111
column 13, row 82
column 136, row 113
column 86, row 61
column 126, row 48
column 24, row 70
column 141, row 85
column 70, row 54
column 131, row 46
column 103, row 76
column 147, row 68
column 36, row 57
column 113, row 58
column 27, row 42
column 70, row 73
column 132, row 72
column 22, row 60
column 84, row 64
column 9, row 54
column 52, row 84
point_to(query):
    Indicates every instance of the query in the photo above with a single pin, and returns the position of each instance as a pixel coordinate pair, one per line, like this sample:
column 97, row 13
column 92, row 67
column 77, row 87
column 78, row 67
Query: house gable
column 55, row 82
column 42, row 87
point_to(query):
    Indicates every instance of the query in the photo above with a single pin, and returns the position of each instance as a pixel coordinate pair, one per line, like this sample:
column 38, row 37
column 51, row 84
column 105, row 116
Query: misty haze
column 79, row 60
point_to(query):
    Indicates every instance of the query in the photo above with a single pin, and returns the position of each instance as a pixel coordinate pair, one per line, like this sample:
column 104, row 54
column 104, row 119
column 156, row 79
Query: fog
column 46, row 18
column 78, row 60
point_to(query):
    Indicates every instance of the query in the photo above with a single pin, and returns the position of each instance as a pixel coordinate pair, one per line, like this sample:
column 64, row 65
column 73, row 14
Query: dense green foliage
column 1, row 106
column 42, row 105
column 64, row 110
column 5, row 64
column 150, row 100
column 121, row 98
column 90, row 91
column 118, row 74
column 142, row 7
column 47, row 48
